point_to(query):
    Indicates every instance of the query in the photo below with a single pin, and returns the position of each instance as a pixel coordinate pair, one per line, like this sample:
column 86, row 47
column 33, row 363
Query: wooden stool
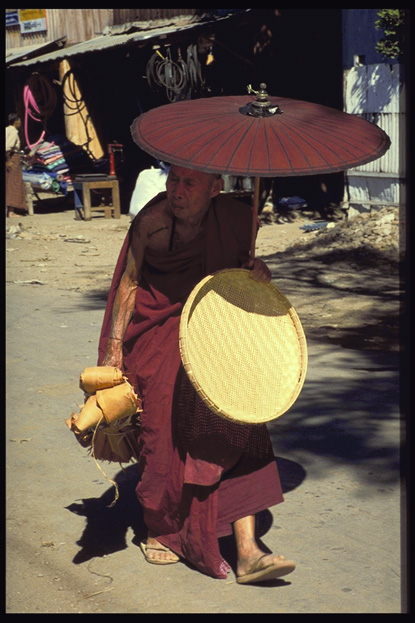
column 86, row 183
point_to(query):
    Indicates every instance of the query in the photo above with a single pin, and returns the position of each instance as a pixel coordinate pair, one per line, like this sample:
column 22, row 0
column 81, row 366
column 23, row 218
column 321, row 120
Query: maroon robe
column 199, row 472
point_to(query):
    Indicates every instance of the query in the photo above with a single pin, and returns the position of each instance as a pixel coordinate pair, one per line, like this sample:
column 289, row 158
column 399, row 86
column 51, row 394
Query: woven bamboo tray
column 243, row 347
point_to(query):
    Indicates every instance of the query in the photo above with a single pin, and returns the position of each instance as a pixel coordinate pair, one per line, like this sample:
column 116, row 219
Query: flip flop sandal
column 158, row 548
column 271, row 572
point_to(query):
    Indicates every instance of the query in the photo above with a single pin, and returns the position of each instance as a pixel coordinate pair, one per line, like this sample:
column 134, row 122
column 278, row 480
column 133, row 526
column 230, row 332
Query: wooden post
column 29, row 198
column 255, row 208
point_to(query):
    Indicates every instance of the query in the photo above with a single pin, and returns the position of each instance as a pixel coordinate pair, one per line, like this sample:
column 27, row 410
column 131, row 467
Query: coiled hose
column 40, row 99
column 163, row 72
column 194, row 68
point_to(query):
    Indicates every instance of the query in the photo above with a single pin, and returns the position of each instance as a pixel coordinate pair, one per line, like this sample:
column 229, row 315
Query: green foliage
column 392, row 22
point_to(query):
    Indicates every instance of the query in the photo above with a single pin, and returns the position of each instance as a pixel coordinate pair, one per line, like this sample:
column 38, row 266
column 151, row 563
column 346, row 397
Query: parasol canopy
column 267, row 137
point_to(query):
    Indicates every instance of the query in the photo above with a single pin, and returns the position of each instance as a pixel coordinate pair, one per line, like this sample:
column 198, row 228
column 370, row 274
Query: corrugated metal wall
column 393, row 162
column 377, row 93
column 79, row 24
column 123, row 16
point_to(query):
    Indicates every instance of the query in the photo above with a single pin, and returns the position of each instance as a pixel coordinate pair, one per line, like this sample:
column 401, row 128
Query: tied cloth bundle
column 112, row 403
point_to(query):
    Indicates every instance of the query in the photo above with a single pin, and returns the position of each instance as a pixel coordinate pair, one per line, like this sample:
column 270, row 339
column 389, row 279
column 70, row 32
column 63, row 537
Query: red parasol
column 270, row 137
column 267, row 137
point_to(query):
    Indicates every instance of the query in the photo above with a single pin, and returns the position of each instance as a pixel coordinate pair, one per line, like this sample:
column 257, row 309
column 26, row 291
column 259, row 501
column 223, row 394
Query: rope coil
column 40, row 102
column 163, row 72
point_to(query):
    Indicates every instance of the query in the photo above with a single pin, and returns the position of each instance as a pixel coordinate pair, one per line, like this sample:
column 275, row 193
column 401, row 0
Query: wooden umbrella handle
column 255, row 221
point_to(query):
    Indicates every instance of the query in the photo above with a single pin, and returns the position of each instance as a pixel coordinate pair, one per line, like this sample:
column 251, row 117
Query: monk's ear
column 217, row 186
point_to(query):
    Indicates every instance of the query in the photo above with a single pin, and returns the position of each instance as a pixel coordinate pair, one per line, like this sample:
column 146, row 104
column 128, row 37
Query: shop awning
column 28, row 52
column 139, row 32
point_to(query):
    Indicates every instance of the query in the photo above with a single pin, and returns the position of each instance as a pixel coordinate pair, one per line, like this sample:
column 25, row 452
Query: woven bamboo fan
column 243, row 347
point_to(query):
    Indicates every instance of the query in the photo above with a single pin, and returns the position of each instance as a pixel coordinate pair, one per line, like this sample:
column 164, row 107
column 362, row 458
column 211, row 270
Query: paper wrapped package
column 89, row 416
column 108, row 421
column 100, row 377
column 118, row 402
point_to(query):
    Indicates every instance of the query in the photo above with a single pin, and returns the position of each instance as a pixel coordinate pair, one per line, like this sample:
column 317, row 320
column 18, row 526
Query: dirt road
column 338, row 449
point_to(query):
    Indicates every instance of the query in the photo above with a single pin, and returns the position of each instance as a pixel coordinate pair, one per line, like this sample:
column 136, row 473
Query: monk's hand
column 259, row 270
column 113, row 356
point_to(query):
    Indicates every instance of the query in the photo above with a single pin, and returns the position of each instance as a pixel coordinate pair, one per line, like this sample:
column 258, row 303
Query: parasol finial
column 262, row 106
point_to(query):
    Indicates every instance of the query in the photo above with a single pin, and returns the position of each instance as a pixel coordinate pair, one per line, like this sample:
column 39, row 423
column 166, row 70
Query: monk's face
column 189, row 192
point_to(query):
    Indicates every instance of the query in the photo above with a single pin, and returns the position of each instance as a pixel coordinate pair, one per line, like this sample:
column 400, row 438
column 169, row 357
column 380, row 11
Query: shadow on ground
column 350, row 412
column 353, row 297
column 107, row 526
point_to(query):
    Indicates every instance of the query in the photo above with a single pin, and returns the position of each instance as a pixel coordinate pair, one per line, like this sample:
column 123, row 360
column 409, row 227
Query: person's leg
column 254, row 565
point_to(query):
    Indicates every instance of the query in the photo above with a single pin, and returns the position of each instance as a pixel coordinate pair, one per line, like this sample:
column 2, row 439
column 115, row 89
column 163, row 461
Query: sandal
column 159, row 548
column 270, row 572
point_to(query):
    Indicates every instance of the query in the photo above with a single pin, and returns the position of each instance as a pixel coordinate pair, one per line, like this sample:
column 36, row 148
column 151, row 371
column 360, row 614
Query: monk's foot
column 263, row 567
column 157, row 554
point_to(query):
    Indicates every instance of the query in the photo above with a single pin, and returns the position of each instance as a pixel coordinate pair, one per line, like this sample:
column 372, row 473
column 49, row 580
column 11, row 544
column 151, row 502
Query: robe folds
column 199, row 471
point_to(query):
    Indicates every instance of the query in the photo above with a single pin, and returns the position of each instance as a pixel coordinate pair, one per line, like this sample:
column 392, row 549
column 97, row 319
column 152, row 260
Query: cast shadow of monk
column 107, row 526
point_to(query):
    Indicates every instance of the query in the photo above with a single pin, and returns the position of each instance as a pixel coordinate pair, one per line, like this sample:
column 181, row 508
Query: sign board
column 12, row 17
column 32, row 20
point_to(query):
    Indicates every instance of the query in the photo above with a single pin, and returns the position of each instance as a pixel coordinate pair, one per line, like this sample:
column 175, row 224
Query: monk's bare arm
column 124, row 301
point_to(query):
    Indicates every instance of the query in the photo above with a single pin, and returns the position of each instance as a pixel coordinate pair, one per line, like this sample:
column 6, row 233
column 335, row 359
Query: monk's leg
column 250, row 556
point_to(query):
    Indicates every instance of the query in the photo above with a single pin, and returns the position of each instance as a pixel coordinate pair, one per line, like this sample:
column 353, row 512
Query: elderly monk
column 202, row 477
